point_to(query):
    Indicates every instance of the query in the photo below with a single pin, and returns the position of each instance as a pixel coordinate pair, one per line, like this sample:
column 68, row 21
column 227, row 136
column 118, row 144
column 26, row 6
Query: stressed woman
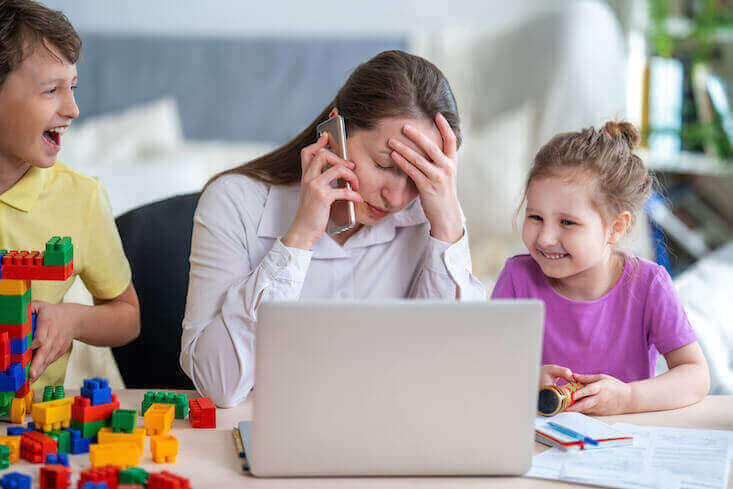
column 260, row 229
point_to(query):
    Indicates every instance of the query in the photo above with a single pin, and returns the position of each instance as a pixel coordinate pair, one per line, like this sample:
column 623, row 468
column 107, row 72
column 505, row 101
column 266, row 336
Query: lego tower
column 17, row 324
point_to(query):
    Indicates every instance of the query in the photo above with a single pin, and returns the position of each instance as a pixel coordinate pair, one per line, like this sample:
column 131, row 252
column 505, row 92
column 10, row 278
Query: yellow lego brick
column 12, row 442
column 52, row 415
column 123, row 454
column 164, row 448
column 159, row 419
column 18, row 410
column 107, row 435
column 14, row 287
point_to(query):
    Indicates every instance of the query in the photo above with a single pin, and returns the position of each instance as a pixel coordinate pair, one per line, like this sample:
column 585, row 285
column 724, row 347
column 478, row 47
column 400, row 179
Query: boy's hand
column 549, row 374
column 54, row 333
column 602, row 395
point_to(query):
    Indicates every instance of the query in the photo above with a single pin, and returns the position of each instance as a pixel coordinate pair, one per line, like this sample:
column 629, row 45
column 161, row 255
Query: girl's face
column 562, row 230
column 383, row 185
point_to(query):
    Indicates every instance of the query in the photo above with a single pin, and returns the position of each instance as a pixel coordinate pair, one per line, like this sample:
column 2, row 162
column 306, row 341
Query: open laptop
column 395, row 388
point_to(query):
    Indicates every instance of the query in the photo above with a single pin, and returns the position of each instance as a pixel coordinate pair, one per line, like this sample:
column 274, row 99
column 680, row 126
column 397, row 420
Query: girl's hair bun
column 624, row 131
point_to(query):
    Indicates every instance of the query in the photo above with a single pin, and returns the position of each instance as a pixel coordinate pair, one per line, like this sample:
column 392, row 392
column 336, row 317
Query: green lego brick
column 14, row 308
column 63, row 440
column 27, row 371
column 58, row 392
column 134, row 475
column 123, row 420
column 180, row 401
column 6, row 398
column 48, row 393
column 59, row 252
column 89, row 429
column 4, row 456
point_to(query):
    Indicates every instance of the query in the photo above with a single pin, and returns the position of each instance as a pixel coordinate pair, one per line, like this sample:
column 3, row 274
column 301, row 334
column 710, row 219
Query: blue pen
column 567, row 431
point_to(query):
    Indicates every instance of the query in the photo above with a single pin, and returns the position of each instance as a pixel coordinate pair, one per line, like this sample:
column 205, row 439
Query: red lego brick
column 28, row 265
column 34, row 446
column 129, row 486
column 83, row 412
column 4, row 351
column 167, row 480
column 107, row 473
column 19, row 331
column 55, row 477
column 23, row 358
column 202, row 413
column 24, row 389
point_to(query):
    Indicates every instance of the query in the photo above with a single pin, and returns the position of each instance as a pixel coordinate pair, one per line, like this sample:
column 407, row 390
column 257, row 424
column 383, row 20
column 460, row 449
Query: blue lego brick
column 94, row 485
column 17, row 430
column 18, row 347
column 15, row 480
column 57, row 459
column 79, row 444
column 31, row 425
column 13, row 378
column 97, row 391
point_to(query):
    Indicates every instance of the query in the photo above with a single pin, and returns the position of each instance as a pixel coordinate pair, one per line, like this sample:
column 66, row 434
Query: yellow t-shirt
column 59, row 201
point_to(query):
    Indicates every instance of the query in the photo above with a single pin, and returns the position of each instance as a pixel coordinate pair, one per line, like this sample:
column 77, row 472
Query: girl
column 259, row 229
column 607, row 313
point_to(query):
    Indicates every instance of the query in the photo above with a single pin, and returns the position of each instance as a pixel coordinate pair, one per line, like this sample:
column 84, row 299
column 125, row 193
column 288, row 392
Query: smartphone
column 343, row 215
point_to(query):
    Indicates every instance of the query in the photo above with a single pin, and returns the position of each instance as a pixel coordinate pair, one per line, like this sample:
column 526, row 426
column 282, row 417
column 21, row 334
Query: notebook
column 606, row 435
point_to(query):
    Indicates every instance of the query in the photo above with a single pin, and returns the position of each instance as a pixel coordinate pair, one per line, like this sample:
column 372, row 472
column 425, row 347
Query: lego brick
column 123, row 420
column 13, row 378
column 59, row 251
column 17, row 430
column 134, row 475
column 167, row 480
column 14, row 308
column 4, row 456
column 97, row 485
column 108, row 474
column 60, row 459
column 24, row 389
column 20, row 346
column 77, row 444
column 28, row 265
column 130, row 486
column 34, row 446
column 55, row 477
column 5, row 357
column 15, row 480
column 164, row 449
column 179, row 400
column 122, row 454
column 13, row 443
column 202, row 413
column 107, row 435
column 83, row 411
column 63, row 440
column 52, row 415
column 24, row 359
column 18, row 331
column 97, row 391
column 90, row 429
column 159, row 419
column 14, row 287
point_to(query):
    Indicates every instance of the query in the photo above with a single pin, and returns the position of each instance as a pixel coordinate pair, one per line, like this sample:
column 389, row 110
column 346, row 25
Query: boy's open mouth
column 54, row 135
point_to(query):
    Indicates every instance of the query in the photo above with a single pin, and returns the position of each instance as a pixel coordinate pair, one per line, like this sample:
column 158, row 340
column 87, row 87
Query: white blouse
column 238, row 261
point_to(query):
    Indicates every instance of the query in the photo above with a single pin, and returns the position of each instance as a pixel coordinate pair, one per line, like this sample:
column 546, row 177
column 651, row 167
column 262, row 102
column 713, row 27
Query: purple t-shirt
column 618, row 334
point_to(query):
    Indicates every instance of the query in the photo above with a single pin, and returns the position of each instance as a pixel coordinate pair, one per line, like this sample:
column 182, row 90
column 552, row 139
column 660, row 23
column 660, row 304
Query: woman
column 259, row 229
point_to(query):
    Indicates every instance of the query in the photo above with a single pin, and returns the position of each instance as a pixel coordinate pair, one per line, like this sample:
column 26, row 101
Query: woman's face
column 384, row 187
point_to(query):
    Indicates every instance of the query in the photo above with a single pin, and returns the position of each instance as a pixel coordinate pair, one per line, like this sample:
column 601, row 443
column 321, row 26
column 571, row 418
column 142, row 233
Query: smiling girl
column 607, row 313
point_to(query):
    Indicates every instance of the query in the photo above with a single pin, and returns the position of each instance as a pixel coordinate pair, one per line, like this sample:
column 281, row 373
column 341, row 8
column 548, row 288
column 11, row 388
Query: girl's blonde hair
column 621, row 181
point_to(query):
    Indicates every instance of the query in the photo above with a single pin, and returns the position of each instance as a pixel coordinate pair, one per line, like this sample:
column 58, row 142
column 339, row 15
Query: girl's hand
column 54, row 333
column 435, row 177
column 602, row 395
column 550, row 374
column 317, row 195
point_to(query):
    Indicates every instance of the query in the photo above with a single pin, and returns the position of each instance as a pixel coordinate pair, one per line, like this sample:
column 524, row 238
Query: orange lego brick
column 52, row 415
column 14, row 286
column 123, row 454
column 107, row 435
column 12, row 442
column 164, row 448
column 159, row 419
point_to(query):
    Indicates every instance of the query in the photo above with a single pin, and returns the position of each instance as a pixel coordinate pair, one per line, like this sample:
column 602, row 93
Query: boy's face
column 36, row 106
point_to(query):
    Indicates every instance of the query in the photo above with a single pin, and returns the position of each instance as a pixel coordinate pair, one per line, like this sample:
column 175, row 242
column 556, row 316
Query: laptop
column 395, row 388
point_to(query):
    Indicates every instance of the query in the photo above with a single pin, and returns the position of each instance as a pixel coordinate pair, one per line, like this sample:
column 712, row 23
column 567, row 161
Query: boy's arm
column 112, row 322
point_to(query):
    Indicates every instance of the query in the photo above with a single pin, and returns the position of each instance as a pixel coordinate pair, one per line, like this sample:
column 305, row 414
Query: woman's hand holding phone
column 317, row 194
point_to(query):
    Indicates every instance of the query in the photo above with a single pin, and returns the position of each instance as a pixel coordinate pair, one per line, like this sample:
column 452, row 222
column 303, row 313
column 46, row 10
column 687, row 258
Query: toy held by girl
column 608, row 313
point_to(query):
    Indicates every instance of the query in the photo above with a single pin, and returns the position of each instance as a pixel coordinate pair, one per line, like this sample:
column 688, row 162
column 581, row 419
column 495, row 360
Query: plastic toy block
column 134, row 475
column 159, row 419
column 106, row 435
column 4, row 456
column 14, row 480
column 130, row 486
column 23, row 390
column 108, row 474
column 19, row 346
column 99, row 485
column 52, row 415
column 13, row 378
column 55, row 477
column 202, row 413
column 164, row 449
column 63, row 440
column 59, row 251
column 14, row 287
column 90, row 429
column 123, row 454
column 179, row 400
column 97, row 390
column 16, row 431
column 123, row 420
column 18, row 331
column 34, row 446
column 77, row 444
column 23, row 358
column 28, row 265
column 167, row 480
column 13, row 443
column 14, row 308
column 5, row 358
column 83, row 411
column 51, row 393
column 60, row 459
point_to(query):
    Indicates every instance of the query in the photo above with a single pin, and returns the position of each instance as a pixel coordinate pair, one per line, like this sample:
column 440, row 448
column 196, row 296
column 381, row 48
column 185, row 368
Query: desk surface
column 208, row 458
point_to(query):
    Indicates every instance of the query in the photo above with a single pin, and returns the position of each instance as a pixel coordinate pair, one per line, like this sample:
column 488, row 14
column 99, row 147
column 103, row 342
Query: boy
column 41, row 198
